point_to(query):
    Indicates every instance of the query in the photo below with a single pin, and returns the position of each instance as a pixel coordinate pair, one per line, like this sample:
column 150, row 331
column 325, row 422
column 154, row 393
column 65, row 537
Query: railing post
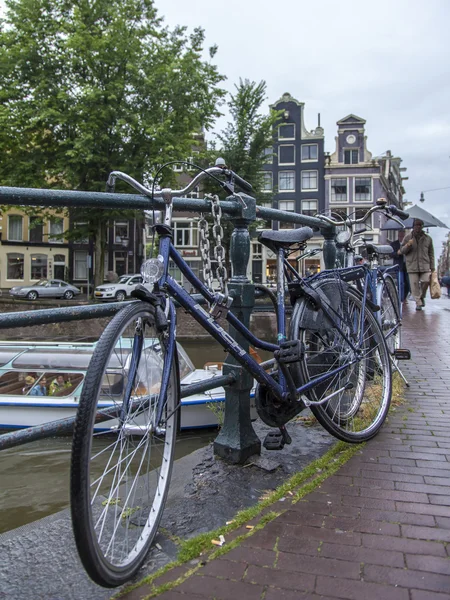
column 329, row 248
column 237, row 439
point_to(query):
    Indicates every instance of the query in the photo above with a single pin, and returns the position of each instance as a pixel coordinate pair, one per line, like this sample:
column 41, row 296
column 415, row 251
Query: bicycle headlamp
column 152, row 269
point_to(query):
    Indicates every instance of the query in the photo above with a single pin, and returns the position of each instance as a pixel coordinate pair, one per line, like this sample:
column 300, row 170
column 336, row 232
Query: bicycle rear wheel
column 121, row 473
column 354, row 401
column 389, row 313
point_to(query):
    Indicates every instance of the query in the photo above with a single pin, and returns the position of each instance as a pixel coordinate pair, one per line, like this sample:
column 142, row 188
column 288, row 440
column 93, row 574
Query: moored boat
column 41, row 382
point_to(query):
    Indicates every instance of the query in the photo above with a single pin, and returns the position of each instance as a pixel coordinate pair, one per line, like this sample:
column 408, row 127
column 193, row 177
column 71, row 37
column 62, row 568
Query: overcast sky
column 386, row 61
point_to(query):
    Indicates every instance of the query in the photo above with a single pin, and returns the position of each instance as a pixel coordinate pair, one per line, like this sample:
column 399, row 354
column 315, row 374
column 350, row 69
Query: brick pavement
column 380, row 527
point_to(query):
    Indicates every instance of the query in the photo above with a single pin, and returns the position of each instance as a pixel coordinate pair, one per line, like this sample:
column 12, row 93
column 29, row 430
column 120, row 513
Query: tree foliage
column 90, row 86
column 245, row 140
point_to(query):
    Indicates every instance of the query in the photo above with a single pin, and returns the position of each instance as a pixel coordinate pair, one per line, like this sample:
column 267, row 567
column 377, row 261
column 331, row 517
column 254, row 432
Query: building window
column 267, row 181
column 15, row 228
column 186, row 233
column 339, row 190
column 80, row 263
column 359, row 214
column 310, row 152
column 309, row 207
column 38, row 266
column 56, row 228
column 289, row 206
column 363, row 189
column 257, row 250
column 339, row 213
column 120, row 232
column 268, row 156
column 175, row 272
column 193, row 160
column 15, row 265
column 36, row 230
column 286, row 181
column 309, row 180
column 286, row 131
column 286, row 154
column 195, row 193
column 351, row 157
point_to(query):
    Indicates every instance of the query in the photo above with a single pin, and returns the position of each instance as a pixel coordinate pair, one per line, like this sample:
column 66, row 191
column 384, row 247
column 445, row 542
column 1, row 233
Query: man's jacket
column 420, row 256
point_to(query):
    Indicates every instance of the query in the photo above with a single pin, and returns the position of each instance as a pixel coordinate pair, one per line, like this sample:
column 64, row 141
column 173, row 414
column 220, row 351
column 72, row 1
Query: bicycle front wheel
column 389, row 313
column 348, row 357
column 121, row 468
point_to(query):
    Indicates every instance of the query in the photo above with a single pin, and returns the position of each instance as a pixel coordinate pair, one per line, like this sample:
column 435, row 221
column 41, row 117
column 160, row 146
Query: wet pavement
column 40, row 561
column 379, row 528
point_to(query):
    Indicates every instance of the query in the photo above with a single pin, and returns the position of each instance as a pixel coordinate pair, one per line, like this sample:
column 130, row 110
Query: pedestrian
column 417, row 248
column 58, row 384
column 40, row 389
column 446, row 281
column 399, row 260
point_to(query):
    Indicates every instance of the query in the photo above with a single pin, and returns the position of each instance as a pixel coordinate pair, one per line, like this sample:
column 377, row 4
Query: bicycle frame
column 168, row 285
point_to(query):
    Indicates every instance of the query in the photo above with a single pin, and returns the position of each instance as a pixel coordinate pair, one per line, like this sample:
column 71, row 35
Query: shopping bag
column 435, row 288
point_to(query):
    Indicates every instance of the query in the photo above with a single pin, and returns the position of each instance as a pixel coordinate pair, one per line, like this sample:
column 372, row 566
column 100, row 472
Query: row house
column 293, row 176
column 33, row 248
column 354, row 180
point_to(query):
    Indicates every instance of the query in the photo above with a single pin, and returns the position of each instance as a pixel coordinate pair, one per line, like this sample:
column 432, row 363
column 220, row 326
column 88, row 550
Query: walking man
column 400, row 261
column 417, row 247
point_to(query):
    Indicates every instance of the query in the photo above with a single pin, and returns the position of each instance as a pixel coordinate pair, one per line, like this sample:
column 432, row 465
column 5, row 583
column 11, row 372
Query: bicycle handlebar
column 213, row 172
column 398, row 213
column 390, row 211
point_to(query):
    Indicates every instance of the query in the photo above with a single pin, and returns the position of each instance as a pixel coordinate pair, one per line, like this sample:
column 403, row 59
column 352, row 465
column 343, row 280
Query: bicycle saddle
column 379, row 249
column 285, row 237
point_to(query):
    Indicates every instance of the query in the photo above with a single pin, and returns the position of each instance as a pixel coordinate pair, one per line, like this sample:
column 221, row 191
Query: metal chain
column 203, row 228
column 219, row 250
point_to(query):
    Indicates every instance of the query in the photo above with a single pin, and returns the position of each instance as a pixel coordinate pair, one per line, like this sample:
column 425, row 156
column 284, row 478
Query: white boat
column 24, row 364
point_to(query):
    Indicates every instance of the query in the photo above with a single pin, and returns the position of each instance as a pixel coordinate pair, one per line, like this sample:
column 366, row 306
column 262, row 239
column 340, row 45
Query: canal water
column 35, row 477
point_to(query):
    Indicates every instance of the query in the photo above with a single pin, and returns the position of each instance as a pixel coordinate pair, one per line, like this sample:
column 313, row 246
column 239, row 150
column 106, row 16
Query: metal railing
column 233, row 445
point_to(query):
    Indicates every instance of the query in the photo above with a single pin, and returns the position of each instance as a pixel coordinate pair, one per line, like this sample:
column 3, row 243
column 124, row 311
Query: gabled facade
column 30, row 249
column 354, row 180
column 294, row 176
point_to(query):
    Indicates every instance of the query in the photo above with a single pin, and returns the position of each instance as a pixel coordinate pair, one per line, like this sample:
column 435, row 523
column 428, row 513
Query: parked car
column 45, row 288
column 119, row 291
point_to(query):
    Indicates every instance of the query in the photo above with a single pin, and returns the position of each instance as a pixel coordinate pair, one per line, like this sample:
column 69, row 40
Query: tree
column 245, row 141
column 90, row 86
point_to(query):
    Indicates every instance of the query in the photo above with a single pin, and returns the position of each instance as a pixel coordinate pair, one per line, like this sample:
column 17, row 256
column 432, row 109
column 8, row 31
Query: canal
column 35, row 477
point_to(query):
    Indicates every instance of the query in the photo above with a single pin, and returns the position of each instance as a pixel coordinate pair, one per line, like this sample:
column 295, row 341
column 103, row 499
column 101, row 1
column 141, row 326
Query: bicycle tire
column 120, row 477
column 390, row 321
column 353, row 414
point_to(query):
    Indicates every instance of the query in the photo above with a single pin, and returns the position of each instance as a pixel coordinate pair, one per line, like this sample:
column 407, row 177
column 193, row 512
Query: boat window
column 186, row 365
column 38, row 383
column 112, row 385
column 48, row 358
column 7, row 354
column 17, row 383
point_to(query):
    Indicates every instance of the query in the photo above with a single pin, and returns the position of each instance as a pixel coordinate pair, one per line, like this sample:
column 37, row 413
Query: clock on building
column 351, row 139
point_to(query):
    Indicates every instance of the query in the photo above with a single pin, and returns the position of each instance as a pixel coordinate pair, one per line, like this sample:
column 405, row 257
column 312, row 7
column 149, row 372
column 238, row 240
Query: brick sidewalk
column 380, row 527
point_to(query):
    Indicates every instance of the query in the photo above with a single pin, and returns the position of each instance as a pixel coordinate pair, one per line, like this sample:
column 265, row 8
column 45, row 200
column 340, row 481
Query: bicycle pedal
column 402, row 354
column 274, row 440
column 290, row 352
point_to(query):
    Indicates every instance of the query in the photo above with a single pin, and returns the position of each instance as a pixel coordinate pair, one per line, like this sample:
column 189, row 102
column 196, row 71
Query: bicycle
column 333, row 359
column 384, row 283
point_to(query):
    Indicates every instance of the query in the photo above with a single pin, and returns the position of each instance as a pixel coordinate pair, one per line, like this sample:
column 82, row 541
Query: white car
column 119, row 291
